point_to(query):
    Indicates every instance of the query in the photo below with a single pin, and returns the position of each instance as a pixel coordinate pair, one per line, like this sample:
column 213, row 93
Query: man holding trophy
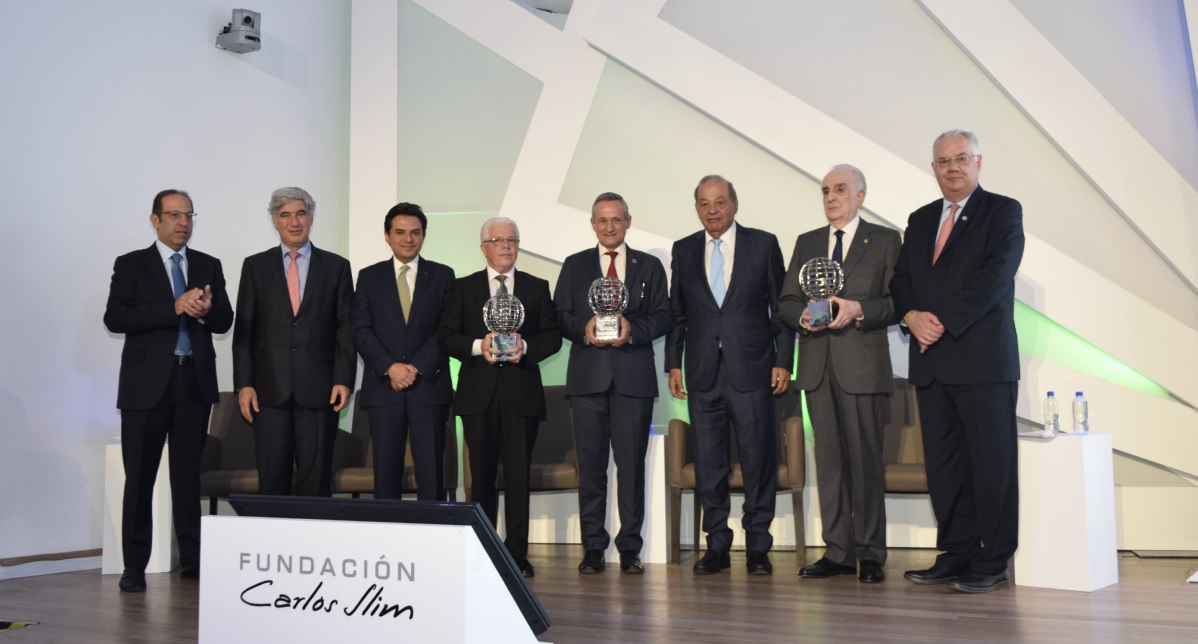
column 612, row 304
column 500, row 323
column 837, row 295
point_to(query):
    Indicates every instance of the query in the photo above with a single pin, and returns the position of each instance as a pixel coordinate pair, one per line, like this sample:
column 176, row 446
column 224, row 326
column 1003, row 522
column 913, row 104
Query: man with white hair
column 499, row 397
column 294, row 363
column 844, row 368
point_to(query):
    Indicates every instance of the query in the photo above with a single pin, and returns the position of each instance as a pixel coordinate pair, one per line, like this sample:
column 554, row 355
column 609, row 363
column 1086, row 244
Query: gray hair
column 610, row 196
column 484, row 232
column 716, row 177
column 858, row 176
column 283, row 196
column 952, row 134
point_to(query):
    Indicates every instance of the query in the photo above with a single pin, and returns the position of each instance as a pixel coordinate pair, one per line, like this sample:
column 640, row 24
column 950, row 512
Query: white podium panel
column 1066, row 513
column 164, row 553
column 301, row 580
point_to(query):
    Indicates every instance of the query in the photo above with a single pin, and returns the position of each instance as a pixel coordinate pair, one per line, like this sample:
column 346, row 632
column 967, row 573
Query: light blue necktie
column 717, row 272
column 183, row 345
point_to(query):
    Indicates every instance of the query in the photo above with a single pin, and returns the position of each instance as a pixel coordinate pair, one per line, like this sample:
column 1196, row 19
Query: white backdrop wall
column 478, row 107
column 105, row 104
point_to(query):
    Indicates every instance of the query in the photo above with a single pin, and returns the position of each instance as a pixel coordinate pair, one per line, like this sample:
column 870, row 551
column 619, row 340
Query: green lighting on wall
column 1042, row 338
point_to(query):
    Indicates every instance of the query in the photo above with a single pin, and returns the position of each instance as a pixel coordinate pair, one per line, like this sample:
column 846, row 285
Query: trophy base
column 607, row 327
column 820, row 312
column 506, row 345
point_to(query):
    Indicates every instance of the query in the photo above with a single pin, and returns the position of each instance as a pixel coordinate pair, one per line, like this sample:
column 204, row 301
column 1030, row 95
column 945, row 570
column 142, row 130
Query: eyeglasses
column 944, row 162
column 174, row 215
column 499, row 241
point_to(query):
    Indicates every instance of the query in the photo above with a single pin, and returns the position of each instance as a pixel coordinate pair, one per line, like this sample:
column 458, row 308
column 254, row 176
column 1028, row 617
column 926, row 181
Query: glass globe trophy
column 608, row 297
column 503, row 314
column 820, row 278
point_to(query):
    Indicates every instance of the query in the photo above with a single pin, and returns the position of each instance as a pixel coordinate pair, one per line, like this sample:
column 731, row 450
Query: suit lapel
column 857, row 249
column 699, row 263
column 423, row 276
column 744, row 241
column 632, row 269
column 965, row 217
column 315, row 279
column 275, row 275
column 158, row 270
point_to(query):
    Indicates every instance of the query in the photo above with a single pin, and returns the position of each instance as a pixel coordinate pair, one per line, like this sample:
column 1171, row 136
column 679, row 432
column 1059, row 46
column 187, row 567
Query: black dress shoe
column 133, row 581
column 524, row 566
column 938, row 574
column 189, row 572
column 759, row 563
column 972, row 582
column 592, row 563
column 713, row 561
column 630, row 562
column 871, row 572
column 825, row 568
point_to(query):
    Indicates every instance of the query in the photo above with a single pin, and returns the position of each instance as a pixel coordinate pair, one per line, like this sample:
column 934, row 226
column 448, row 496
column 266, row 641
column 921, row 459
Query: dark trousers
column 291, row 440
column 182, row 418
column 600, row 420
column 752, row 416
column 970, row 446
column 502, row 435
column 848, row 463
column 390, row 429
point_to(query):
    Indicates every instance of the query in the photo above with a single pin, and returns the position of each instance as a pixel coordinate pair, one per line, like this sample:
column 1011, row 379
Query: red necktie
column 945, row 230
column 293, row 283
column 611, row 266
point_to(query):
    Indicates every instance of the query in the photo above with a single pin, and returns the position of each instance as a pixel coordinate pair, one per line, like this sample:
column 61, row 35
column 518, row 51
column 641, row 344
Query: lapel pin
column 633, row 260
column 865, row 241
column 964, row 218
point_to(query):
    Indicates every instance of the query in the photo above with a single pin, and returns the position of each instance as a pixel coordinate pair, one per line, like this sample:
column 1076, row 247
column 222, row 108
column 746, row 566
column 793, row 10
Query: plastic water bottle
column 1081, row 414
column 1051, row 414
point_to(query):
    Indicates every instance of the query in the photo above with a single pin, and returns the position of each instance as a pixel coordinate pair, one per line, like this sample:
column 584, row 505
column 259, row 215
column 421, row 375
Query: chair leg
column 212, row 505
column 673, row 533
column 796, row 497
column 698, row 520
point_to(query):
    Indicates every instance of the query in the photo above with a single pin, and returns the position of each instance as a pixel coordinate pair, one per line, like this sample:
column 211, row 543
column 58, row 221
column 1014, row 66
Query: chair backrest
column 785, row 406
column 236, row 436
column 902, row 439
column 554, row 463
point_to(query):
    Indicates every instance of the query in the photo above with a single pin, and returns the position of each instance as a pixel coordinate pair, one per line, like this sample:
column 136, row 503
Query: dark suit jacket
column 383, row 337
column 281, row 354
column 141, row 304
column 752, row 342
column 462, row 324
column 593, row 369
column 862, row 355
column 971, row 289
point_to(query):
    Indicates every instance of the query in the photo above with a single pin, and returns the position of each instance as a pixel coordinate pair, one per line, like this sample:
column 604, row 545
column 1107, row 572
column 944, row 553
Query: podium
column 291, row 579
column 1066, row 513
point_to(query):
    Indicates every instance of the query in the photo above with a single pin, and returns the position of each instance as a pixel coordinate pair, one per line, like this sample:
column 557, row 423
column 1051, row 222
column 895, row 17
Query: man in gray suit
column 845, row 369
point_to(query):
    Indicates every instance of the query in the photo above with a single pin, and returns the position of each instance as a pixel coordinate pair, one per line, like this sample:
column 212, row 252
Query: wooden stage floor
column 1151, row 602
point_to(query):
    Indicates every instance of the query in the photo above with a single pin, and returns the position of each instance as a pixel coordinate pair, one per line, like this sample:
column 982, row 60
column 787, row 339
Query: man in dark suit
column 168, row 300
column 954, row 289
column 293, row 351
column 501, row 402
column 610, row 382
column 724, row 289
column 844, row 367
column 406, row 388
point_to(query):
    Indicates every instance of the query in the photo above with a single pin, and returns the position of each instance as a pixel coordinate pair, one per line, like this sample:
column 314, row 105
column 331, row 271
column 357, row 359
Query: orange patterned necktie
column 945, row 231
column 293, row 283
